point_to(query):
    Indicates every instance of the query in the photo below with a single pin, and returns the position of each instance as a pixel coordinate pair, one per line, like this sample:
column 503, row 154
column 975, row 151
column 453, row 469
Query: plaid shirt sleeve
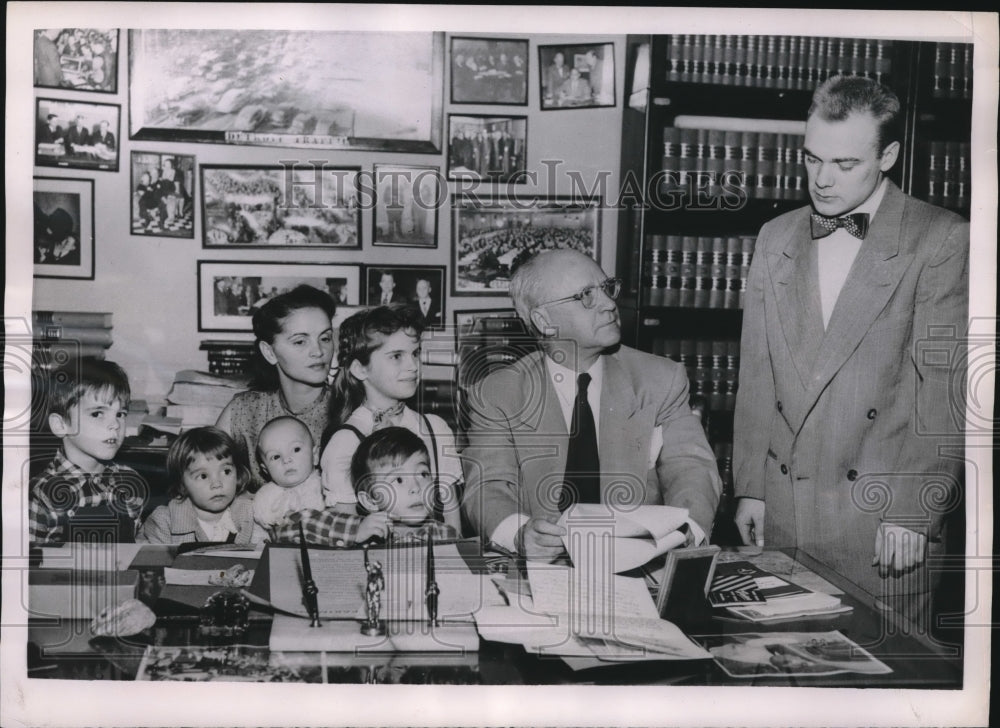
column 129, row 491
column 324, row 527
column 43, row 522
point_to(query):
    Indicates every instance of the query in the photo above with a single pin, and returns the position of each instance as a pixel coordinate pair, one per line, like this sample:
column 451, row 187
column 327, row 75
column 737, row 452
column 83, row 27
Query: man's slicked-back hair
column 840, row 96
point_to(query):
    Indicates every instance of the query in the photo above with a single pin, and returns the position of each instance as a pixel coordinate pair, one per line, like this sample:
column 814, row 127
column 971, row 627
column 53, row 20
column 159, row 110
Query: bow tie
column 856, row 224
column 384, row 417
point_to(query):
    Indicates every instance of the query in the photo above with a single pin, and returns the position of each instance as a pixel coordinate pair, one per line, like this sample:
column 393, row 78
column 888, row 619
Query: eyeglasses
column 588, row 296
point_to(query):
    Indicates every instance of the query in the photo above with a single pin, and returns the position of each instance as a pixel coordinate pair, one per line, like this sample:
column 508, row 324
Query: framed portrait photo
column 687, row 576
column 489, row 71
column 64, row 228
column 422, row 286
column 162, row 194
column 81, row 59
column 76, row 135
column 576, row 76
column 490, row 236
column 311, row 89
column 407, row 200
column 298, row 206
column 229, row 292
column 487, row 147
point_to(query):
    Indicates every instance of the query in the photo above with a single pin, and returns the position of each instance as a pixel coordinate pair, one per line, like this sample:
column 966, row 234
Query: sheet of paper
column 229, row 551
column 588, row 598
column 518, row 626
column 199, row 577
column 89, row 556
column 597, row 535
column 631, row 522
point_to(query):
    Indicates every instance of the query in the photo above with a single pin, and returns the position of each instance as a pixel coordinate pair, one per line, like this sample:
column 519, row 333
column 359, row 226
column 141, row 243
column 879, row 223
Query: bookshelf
column 712, row 143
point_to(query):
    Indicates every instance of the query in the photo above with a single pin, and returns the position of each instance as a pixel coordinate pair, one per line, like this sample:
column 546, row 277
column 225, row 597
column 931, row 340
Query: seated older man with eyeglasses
column 584, row 420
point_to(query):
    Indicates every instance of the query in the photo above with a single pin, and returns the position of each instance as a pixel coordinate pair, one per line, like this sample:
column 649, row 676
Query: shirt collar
column 564, row 379
column 871, row 205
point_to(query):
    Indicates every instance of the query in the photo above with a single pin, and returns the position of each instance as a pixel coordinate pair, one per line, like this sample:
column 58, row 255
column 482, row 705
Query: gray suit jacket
column 838, row 429
column 516, row 456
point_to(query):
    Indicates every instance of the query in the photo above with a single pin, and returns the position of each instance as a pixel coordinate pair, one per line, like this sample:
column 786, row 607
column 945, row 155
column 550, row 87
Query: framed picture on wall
column 64, row 228
column 490, row 236
column 81, row 59
column 162, row 187
column 577, row 76
column 489, row 71
column 423, row 286
column 299, row 205
column 487, row 147
column 378, row 91
column 406, row 205
column 229, row 292
column 76, row 134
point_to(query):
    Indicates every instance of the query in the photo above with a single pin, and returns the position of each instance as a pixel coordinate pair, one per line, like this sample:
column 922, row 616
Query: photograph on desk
column 76, row 134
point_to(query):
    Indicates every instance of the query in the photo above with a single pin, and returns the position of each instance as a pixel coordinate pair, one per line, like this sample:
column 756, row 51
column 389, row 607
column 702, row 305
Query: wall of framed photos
column 148, row 259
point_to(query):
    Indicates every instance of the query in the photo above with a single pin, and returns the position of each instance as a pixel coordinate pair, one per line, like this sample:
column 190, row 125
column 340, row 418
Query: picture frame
column 77, row 134
column 64, row 228
column 487, row 147
column 482, row 261
column 402, row 284
column 351, row 90
column 77, row 59
column 225, row 307
column 687, row 573
column 577, row 76
column 162, row 194
column 407, row 199
column 489, row 71
column 312, row 205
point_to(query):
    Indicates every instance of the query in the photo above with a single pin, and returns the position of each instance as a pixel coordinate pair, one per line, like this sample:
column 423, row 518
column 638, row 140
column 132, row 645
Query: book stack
column 696, row 271
column 774, row 61
column 732, row 165
column 62, row 335
column 712, row 367
column 952, row 71
column 949, row 174
column 197, row 398
column 228, row 357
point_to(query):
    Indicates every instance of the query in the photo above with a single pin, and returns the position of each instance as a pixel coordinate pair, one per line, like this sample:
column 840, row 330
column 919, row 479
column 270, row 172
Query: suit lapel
column 618, row 429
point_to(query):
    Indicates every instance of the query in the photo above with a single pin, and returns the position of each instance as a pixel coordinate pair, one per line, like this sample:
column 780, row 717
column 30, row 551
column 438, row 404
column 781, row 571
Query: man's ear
column 366, row 502
column 541, row 322
column 267, row 351
column 358, row 370
column 889, row 155
column 59, row 426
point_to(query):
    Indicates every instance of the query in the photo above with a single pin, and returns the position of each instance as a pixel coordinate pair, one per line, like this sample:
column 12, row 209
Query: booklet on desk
column 778, row 598
column 636, row 535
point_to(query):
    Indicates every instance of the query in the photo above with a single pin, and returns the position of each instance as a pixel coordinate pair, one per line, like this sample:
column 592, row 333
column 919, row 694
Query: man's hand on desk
column 540, row 539
column 898, row 550
column 749, row 519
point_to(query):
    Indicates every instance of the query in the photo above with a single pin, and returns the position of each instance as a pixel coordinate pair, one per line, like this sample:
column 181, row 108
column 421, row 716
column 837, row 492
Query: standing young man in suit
column 844, row 414
column 528, row 458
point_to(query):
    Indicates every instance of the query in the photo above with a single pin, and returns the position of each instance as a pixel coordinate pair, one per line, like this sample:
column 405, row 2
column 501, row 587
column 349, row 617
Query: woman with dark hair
column 291, row 365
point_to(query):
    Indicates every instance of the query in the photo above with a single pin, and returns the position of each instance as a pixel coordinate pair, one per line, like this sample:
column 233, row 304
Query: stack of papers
column 773, row 597
column 629, row 537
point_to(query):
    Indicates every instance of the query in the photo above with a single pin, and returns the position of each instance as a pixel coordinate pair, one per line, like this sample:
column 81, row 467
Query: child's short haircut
column 390, row 445
column 212, row 443
column 69, row 383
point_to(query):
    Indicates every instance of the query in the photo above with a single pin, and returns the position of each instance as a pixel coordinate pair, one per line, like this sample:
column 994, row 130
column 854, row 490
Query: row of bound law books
column 952, row 71
column 228, row 356
column 763, row 165
column 713, row 367
column 59, row 336
column 949, row 174
column 696, row 271
column 774, row 61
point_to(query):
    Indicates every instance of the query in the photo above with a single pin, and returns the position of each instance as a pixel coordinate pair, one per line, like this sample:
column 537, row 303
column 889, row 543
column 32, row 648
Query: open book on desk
column 634, row 535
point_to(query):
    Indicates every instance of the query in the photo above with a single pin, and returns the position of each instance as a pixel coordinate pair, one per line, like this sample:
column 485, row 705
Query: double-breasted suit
column 838, row 429
column 518, row 438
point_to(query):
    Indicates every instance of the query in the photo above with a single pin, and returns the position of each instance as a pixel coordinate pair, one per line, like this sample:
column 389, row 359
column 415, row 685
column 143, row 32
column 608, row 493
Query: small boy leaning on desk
column 391, row 475
column 82, row 490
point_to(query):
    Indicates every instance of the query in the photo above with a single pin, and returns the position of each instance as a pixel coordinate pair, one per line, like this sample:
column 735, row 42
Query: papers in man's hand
column 630, row 536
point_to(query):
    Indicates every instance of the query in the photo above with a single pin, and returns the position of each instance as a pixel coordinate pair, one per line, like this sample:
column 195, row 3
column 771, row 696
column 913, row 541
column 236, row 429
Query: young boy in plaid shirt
column 82, row 493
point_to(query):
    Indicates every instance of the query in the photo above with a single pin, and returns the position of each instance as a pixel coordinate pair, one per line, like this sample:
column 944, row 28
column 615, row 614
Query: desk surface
column 62, row 649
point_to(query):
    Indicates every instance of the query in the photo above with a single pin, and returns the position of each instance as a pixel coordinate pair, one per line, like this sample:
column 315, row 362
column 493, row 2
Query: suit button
column 852, row 474
column 779, row 406
column 871, row 413
column 784, row 469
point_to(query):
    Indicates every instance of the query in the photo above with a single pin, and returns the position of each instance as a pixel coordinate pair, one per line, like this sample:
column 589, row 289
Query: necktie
column 583, row 467
column 856, row 224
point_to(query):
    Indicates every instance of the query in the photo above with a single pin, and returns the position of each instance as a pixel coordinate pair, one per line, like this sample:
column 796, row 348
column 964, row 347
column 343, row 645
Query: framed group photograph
column 378, row 91
column 163, row 194
column 81, row 59
column 302, row 206
column 489, row 71
column 577, row 76
column 491, row 236
column 64, row 228
column 420, row 285
column 406, row 205
column 487, row 147
column 76, row 134
column 229, row 292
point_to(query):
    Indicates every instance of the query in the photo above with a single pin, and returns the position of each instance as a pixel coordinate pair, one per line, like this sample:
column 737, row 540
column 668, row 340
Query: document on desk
column 597, row 534
column 89, row 556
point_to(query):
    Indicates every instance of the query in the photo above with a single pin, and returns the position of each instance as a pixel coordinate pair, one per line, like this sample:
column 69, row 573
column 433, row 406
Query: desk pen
column 432, row 590
column 309, row 590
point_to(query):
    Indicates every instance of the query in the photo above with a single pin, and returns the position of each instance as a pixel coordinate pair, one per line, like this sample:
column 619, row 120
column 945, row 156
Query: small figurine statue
column 373, row 598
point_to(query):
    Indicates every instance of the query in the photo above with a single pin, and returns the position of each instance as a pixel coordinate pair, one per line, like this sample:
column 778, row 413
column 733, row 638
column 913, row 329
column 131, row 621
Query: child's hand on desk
column 374, row 524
